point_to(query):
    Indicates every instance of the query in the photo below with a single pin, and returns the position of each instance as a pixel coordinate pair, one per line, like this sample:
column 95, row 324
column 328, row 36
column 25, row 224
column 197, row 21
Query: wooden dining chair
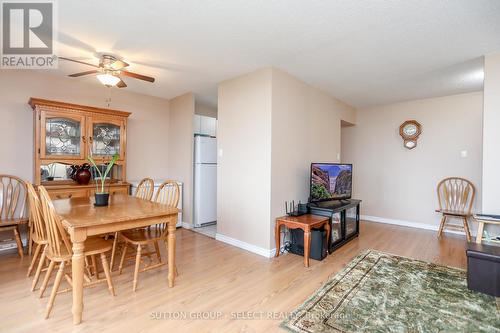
column 144, row 191
column 38, row 234
column 167, row 194
column 59, row 251
column 13, row 197
column 456, row 198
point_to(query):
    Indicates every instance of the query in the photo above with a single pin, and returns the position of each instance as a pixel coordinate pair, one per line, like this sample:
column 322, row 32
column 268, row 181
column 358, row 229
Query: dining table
column 82, row 219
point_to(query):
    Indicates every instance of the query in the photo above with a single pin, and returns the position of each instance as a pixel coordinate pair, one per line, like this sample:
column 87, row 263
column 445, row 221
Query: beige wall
column 491, row 135
column 205, row 110
column 180, row 147
column 148, row 123
column 271, row 126
column 400, row 184
column 305, row 128
column 244, row 169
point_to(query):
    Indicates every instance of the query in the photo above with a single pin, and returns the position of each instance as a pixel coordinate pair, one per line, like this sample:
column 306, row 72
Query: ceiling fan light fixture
column 108, row 79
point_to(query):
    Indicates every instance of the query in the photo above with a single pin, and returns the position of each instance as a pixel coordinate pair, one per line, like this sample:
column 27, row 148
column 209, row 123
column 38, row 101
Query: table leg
column 78, row 261
column 480, row 230
column 171, row 252
column 307, row 246
column 277, row 238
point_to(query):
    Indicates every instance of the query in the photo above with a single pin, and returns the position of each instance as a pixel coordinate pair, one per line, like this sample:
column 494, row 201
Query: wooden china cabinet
column 65, row 134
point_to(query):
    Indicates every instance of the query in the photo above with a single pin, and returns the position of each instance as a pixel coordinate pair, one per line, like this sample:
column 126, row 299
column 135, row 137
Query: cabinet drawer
column 66, row 194
column 114, row 190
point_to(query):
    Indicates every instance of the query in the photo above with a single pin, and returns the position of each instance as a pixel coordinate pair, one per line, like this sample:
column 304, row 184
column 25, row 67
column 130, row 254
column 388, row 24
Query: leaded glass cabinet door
column 106, row 137
column 62, row 136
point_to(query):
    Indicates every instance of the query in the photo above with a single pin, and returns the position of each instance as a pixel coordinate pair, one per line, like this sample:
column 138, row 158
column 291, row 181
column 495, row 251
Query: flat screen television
column 330, row 181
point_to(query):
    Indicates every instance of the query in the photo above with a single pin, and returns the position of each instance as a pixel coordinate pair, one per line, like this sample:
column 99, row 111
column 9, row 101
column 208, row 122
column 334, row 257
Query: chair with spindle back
column 456, row 198
column 144, row 191
column 167, row 194
column 59, row 250
column 13, row 197
column 38, row 233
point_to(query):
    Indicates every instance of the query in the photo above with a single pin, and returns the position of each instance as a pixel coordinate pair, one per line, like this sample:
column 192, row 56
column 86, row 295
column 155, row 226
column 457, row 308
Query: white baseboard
column 409, row 224
column 245, row 246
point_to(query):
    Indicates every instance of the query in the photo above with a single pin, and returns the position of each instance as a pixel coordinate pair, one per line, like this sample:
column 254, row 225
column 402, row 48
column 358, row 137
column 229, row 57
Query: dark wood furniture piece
column 344, row 220
column 483, row 268
column 306, row 223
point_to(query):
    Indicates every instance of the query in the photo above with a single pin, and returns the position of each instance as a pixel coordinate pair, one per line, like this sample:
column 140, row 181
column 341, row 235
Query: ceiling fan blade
column 121, row 84
column 118, row 64
column 84, row 73
column 78, row 61
column 138, row 76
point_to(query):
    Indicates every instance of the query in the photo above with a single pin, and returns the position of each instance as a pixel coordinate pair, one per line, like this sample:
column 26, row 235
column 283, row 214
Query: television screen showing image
column 330, row 181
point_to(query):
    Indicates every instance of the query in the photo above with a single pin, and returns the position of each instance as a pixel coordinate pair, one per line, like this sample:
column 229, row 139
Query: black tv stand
column 344, row 219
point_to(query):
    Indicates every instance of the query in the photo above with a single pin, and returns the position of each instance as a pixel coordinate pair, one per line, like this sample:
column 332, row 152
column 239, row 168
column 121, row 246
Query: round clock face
column 410, row 130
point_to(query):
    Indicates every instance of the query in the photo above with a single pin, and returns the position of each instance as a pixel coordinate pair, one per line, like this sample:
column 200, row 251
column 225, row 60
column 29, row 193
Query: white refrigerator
column 205, row 180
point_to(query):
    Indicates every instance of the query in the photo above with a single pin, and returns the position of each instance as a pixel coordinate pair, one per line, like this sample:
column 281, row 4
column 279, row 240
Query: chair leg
column 113, row 252
column 17, row 235
column 466, row 227
column 47, row 278
column 39, row 268
column 157, row 249
column 33, row 260
column 137, row 263
column 441, row 226
column 55, row 288
column 94, row 266
column 122, row 259
column 105, row 267
column 30, row 240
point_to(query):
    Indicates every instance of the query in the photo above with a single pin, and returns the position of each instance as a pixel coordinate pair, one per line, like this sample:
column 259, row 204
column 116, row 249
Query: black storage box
column 319, row 247
column 483, row 268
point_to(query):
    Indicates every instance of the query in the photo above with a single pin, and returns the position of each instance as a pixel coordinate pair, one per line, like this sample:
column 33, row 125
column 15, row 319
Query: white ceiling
column 364, row 52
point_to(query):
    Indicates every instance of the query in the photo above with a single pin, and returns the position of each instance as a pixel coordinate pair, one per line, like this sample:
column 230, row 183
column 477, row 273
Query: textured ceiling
column 362, row 52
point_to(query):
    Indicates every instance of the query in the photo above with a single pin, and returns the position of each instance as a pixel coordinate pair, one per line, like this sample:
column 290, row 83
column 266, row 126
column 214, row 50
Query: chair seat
column 453, row 212
column 146, row 235
column 93, row 245
column 12, row 222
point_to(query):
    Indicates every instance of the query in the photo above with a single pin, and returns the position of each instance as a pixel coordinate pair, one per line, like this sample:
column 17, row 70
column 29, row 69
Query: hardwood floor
column 216, row 284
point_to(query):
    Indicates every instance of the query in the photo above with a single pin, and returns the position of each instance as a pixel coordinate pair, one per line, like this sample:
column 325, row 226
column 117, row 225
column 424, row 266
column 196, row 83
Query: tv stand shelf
column 344, row 219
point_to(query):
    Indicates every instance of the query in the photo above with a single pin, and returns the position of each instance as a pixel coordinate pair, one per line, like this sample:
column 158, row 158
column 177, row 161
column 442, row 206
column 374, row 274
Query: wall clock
column 410, row 130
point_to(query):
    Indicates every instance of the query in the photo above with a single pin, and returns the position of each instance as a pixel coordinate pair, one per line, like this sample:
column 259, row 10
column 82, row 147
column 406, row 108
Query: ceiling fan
column 109, row 70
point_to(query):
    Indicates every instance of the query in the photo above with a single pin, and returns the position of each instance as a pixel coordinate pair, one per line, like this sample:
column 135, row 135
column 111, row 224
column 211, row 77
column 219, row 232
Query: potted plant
column 101, row 196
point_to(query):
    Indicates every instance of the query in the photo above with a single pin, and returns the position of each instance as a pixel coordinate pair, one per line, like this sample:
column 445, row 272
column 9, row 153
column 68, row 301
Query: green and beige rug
column 380, row 292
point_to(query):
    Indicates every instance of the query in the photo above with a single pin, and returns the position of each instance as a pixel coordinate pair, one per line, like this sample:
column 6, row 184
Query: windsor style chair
column 456, row 198
column 38, row 234
column 144, row 191
column 167, row 194
column 13, row 198
column 59, row 251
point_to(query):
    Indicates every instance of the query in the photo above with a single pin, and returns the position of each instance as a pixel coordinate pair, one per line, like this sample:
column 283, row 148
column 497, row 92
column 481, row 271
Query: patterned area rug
column 380, row 292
